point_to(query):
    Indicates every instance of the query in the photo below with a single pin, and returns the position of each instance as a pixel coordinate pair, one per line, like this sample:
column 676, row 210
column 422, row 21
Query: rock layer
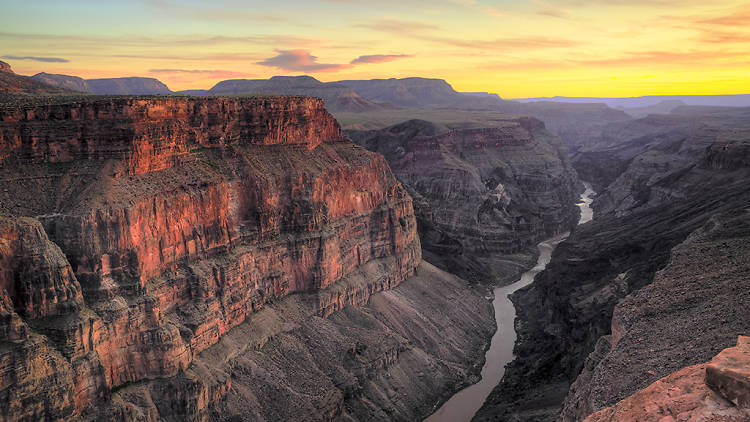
column 391, row 359
column 176, row 220
column 148, row 134
column 483, row 197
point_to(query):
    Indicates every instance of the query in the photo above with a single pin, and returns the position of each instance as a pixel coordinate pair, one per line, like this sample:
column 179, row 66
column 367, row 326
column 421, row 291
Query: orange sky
column 516, row 48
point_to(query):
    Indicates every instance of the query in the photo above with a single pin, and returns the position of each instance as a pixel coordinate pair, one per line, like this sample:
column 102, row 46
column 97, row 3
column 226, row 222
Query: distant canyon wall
column 483, row 197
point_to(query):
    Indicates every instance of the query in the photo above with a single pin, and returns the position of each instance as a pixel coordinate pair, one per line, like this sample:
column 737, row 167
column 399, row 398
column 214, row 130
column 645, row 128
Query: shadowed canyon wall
column 141, row 240
column 620, row 304
column 483, row 197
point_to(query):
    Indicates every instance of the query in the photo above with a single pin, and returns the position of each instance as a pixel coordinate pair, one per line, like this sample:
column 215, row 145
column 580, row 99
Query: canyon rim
column 397, row 211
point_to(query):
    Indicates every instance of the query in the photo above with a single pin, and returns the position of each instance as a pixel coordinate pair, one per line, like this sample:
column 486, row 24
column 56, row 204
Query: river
column 463, row 405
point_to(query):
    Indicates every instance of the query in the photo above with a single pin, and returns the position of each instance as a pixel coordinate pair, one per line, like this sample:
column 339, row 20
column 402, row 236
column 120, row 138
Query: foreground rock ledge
column 717, row 391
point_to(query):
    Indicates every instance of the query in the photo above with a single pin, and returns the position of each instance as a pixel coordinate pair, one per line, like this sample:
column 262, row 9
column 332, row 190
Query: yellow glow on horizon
column 516, row 48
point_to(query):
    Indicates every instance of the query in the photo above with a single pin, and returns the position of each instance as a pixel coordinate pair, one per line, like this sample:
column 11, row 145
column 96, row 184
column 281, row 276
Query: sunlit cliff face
column 518, row 48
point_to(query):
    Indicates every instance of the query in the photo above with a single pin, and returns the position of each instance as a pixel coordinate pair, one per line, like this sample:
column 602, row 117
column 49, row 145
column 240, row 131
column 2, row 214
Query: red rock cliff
column 148, row 134
column 168, row 221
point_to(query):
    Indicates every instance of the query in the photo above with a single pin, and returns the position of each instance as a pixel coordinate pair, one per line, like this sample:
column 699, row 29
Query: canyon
column 482, row 197
column 158, row 251
column 618, row 306
column 238, row 257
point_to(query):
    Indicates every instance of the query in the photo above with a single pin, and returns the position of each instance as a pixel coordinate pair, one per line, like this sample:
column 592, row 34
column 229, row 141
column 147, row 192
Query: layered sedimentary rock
column 621, row 301
column 718, row 391
column 150, row 134
column 392, row 359
column 482, row 196
column 703, row 289
column 628, row 157
column 163, row 223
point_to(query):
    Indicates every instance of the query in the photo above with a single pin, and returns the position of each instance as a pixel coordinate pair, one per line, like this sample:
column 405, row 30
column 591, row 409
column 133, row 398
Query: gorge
column 463, row 405
column 244, row 258
column 238, row 258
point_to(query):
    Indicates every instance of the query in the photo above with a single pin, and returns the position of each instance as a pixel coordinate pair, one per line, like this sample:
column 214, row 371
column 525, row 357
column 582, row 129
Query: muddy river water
column 464, row 404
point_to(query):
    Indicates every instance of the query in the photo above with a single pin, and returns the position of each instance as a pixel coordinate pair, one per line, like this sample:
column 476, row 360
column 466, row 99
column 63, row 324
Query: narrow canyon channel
column 464, row 404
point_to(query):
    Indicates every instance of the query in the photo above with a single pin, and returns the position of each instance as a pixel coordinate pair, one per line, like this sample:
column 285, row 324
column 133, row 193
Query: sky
column 515, row 48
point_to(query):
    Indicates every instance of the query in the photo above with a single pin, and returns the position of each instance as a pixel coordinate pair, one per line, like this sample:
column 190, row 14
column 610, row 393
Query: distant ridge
column 10, row 83
column 105, row 86
column 742, row 100
column 421, row 92
column 335, row 95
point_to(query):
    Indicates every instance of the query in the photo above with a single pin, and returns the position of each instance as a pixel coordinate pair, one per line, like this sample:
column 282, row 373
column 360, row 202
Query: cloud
column 300, row 61
column 38, row 59
column 379, row 58
column 105, row 42
column 203, row 72
column 432, row 33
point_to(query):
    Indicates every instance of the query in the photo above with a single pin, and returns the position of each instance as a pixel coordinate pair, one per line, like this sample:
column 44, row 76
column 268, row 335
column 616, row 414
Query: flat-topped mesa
column 150, row 133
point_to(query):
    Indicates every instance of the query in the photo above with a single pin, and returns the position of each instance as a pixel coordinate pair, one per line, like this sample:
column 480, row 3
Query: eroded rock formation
column 137, row 232
column 620, row 304
column 483, row 197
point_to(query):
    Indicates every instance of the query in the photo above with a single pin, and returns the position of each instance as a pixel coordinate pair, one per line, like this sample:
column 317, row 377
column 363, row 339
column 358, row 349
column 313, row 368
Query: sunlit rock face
column 482, row 196
column 136, row 232
column 715, row 391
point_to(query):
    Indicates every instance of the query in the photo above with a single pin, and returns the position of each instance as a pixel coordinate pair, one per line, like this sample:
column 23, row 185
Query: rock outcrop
column 483, row 197
column 619, row 304
column 702, row 289
column 5, row 67
column 149, row 134
column 718, row 391
column 138, row 232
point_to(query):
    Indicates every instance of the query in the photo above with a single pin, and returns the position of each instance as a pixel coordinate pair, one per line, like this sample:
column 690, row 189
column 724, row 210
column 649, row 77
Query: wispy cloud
column 38, row 59
column 379, row 58
column 434, row 34
column 105, row 42
column 300, row 61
